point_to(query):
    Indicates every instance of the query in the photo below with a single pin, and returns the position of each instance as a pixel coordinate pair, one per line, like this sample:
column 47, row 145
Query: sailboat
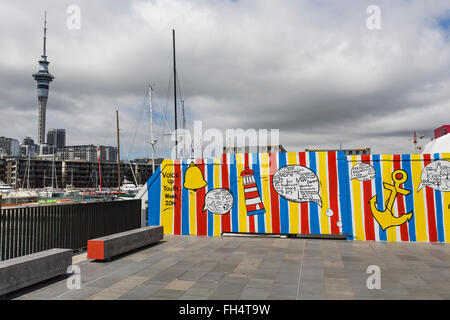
column 52, row 192
column 22, row 195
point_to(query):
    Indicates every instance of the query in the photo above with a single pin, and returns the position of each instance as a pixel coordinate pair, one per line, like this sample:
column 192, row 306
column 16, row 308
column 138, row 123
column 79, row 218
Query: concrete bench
column 27, row 270
column 118, row 243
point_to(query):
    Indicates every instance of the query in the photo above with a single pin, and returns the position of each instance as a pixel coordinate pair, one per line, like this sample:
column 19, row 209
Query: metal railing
column 26, row 230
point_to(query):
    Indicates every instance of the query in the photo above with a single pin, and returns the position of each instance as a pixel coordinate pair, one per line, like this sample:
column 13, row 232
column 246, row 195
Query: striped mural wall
column 258, row 193
column 430, row 221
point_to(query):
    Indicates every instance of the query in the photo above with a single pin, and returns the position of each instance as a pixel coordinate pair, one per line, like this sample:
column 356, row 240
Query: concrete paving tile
column 104, row 282
column 340, row 295
column 213, row 276
column 192, row 275
column 141, row 292
column 307, row 295
column 289, row 278
column 107, row 294
column 189, row 297
column 168, row 275
column 225, row 267
column 128, row 283
column 284, row 290
column 220, row 296
column 199, row 291
column 179, row 285
column 168, row 294
column 249, row 293
column 260, row 283
column 230, row 288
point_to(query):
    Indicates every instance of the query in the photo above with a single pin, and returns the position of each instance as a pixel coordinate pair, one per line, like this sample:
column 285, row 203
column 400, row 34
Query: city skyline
column 316, row 72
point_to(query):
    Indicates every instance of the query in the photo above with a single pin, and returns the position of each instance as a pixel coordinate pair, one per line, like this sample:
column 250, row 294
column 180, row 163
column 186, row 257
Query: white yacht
column 129, row 188
column 4, row 188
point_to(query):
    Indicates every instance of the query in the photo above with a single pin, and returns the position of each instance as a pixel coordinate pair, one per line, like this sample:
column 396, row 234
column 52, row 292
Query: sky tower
column 43, row 79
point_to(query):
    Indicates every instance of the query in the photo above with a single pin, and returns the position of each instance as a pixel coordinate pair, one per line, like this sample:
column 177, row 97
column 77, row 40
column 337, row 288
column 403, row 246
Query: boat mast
column 28, row 172
column 153, row 141
column 99, row 167
column 175, row 92
column 118, row 150
column 183, row 124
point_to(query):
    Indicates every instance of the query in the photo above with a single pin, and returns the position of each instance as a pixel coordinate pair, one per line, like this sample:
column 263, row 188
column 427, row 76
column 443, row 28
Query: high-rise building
column 43, row 79
column 88, row 153
column 10, row 146
column 56, row 137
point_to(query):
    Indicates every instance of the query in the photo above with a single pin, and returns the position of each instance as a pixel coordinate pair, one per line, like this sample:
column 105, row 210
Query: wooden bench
column 107, row 247
column 28, row 270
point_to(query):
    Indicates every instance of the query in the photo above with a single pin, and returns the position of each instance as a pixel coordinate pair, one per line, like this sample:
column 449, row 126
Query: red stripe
column 251, row 219
column 274, row 202
column 333, row 191
column 247, row 186
column 177, row 200
column 251, row 195
column 368, row 217
column 304, row 215
column 202, row 217
column 225, row 218
column 432, row 228
column 401, row 202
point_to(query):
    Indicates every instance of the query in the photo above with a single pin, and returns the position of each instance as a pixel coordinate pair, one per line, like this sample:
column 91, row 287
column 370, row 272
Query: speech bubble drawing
column 436, row 175
column 297, row 184
column 362, row 172
column 218, row 201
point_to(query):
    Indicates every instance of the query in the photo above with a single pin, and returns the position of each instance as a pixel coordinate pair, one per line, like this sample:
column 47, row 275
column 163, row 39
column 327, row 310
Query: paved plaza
column 232, row 268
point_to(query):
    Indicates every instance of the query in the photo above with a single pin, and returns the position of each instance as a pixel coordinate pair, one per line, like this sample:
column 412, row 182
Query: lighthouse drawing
column 252, row 197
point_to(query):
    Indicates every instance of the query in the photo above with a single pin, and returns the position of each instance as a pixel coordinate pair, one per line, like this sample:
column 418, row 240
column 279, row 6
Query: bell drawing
column 193, row 178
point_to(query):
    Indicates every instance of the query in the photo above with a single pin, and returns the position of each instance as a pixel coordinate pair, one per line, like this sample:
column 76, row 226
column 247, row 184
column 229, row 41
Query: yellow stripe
column 357, row 206
column 294, row 207
column 217, row 184
column 192, row 213
column 419, row 201
column 446, row 206
column 391, row 233
column 265, row 183
column 242, row 214
column 324, row 223
column 167, row 207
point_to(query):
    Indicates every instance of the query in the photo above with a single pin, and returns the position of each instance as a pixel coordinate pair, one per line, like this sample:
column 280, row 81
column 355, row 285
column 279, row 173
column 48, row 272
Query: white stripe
column 253, row 200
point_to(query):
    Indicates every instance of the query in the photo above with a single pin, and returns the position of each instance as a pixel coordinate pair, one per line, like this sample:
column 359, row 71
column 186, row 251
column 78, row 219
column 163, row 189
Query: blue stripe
column 344, row 194
column 256, row 170
column 439, row 212
column 409, row 199
column 210, row 179
column 154, row 197
column 184, row 202
column 313, row 207
column 284, row 209
column 234, row 191
column 379, row 191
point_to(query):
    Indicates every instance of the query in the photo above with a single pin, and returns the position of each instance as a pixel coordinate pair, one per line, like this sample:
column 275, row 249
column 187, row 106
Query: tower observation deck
column 43, row 79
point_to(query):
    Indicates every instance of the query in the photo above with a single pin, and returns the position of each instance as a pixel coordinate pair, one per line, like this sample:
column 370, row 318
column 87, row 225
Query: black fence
column 26, row 230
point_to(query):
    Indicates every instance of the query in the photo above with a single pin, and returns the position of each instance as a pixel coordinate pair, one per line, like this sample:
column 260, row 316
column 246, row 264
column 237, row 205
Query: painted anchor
column 386, row 218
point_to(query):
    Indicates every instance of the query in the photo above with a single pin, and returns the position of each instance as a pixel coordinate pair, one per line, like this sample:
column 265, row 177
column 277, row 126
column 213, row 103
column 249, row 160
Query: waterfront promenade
column 232, row 268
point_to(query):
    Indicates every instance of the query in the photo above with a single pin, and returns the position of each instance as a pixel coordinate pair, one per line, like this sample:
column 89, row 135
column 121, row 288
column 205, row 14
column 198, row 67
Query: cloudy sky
column 312, row 69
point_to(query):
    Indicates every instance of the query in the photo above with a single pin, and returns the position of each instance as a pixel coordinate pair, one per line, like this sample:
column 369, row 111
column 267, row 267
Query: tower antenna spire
column 45, row 35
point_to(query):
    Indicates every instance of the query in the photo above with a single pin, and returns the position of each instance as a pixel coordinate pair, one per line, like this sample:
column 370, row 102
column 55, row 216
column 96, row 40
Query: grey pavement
column 234, row 268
